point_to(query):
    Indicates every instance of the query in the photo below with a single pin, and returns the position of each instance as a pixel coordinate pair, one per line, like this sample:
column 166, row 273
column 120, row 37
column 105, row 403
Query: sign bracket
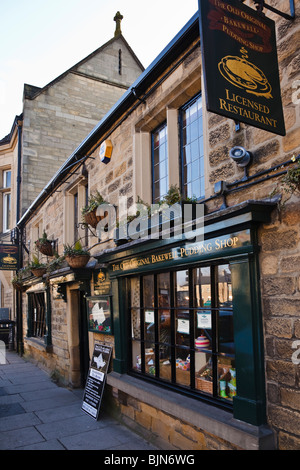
column 260, row 5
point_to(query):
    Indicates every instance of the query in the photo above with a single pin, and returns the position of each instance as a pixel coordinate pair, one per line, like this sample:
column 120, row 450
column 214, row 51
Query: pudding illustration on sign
column 243, row 74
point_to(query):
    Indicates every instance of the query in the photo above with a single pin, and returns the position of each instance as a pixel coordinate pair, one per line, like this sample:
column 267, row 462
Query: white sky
column 39, row 40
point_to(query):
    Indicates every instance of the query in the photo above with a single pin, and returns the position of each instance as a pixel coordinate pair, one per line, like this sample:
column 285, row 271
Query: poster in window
column 240, row 64
column 99, row 314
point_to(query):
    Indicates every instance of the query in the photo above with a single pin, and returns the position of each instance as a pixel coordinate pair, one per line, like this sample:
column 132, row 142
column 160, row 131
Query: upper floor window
column 6, row 200
column 160, row 177
column 76, row 198
column 192, row 149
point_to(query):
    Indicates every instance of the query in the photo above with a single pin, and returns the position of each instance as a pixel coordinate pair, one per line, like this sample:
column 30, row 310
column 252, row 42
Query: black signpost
column 240, row 64
column 96, row 380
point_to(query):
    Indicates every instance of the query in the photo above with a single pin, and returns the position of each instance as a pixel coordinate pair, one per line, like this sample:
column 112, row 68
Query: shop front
column 187, row 317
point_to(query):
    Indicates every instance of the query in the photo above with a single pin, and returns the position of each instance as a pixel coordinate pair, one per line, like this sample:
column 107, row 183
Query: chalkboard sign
column 96, row 380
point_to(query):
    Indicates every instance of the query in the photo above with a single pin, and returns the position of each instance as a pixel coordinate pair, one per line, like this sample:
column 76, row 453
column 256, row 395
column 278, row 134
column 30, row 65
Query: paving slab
column 37, row 414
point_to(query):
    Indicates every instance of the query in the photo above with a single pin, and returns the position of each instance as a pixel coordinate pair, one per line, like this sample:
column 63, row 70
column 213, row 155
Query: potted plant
column 44, row 245
column 38, row 269
column 89, row 214
column 76, row 256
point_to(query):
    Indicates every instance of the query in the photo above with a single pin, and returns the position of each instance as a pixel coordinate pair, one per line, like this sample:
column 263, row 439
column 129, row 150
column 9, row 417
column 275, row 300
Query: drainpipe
column 19, row 179
column 19, row 297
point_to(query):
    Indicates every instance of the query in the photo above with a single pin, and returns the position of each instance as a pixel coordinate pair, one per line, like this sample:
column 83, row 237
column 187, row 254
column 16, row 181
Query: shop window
column 160, row 176
column 182, row 330
column 192, row 149
column 37, row 315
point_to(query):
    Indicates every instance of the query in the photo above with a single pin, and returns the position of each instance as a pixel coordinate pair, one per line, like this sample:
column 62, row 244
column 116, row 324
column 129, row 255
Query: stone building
column 55, row 119
column 204, row 333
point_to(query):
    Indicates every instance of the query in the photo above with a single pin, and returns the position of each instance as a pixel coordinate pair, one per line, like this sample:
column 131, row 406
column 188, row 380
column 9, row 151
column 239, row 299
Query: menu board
column 96, row 377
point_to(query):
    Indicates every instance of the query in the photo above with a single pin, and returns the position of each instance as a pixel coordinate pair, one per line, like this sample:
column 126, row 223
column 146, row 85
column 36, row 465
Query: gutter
column 180, row 42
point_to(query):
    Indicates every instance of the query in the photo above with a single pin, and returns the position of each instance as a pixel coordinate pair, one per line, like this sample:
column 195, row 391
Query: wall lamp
column 241, row 157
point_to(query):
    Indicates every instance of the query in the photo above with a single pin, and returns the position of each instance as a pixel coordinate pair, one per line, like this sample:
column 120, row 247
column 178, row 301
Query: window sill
column 39, row 344
column 206, row 417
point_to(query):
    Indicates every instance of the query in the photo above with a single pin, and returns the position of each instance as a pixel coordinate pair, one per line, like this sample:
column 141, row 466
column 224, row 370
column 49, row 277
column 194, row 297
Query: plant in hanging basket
column 76, row 256
column 38, row 269
column 291, row 181
column 17, row 280
column 89, row 212
column 44, row 245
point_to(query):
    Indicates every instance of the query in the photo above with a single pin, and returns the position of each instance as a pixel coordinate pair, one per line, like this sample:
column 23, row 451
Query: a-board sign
column 96, row 378
column 240, row 64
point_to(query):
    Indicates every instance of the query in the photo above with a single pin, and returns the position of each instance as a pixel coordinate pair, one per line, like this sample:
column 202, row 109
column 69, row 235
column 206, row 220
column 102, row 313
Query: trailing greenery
column 291, row 181
column 35, row 263
column 75, row 250
column 95, row 199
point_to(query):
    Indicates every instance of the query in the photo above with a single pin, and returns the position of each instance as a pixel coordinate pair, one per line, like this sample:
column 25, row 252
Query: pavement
column 37, row 414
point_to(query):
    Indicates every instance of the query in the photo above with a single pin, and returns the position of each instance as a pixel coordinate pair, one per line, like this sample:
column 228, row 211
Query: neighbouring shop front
column 187, row 315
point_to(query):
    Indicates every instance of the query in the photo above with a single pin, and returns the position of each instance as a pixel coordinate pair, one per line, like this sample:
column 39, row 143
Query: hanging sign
column 96, row 380
column 240, row 64
column 9, row 257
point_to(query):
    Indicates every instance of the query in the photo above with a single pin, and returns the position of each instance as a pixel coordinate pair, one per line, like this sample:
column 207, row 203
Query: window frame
column 191, row 388
column 183, row 184
column 164, row 125
column 6, row 201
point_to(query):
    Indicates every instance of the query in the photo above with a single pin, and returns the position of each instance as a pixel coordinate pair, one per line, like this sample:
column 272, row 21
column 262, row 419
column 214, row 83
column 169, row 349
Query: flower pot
column 45, row 248
column 38, row 272
column 77, row 261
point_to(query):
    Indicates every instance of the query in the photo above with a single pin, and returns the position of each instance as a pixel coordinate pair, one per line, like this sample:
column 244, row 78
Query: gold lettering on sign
column 177, row 253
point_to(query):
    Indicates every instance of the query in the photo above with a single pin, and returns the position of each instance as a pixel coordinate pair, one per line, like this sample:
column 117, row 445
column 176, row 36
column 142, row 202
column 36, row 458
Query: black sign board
column 96, row 380
column 4, row 314
column 9, row 257
column 240, row 64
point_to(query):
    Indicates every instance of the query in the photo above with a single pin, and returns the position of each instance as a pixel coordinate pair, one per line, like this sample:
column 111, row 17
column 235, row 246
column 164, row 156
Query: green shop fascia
column 182, row 309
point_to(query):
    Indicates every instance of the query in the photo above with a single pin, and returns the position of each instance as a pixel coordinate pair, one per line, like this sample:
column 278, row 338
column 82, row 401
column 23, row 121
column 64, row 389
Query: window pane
column 135, row 291
column 149, row 358
column 148, row 291
column 202, row 287
column 136, row 355
column 224, row 286
column 135, row 323
column 182, row 288
column 7, row 179
column 165, row 363
column 226, row 378
column 204, row 373
column 192, row 150
column 160, row 164
column 183, row 366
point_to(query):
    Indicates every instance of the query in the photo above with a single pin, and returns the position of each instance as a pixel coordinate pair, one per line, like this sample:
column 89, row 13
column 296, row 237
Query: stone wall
column 59, row 116
column 280, row 240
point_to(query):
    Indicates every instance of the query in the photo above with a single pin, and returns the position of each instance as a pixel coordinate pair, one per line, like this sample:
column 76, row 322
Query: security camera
column 241, row 156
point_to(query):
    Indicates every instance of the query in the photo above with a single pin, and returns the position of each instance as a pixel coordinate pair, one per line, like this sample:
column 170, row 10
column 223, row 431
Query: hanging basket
column 38, row 272
column 45, row 248
column 91, row 218
column 77, row 261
